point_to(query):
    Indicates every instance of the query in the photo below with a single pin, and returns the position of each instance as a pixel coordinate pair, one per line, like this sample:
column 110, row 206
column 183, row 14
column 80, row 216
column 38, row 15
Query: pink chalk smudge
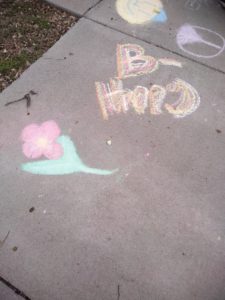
column 41, row 140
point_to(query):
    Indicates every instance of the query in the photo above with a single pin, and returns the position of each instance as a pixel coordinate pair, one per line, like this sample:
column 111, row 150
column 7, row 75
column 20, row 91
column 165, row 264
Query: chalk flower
column 41, row 140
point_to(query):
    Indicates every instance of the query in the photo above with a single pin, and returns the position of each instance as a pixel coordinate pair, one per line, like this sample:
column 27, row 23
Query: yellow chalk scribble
column 113, row 98
column 157, row 94
column 170, row 62
column 138, row 11
column 188, row 101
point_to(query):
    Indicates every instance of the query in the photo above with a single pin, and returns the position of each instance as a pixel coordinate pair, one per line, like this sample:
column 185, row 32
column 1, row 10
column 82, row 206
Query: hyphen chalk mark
column 26, row 97
column 12, row 287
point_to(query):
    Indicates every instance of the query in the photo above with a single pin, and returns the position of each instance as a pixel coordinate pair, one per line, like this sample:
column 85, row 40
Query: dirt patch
column 27, row 29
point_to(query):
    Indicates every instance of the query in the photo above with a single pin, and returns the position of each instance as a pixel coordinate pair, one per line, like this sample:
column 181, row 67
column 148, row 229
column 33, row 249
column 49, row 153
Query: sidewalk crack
column 12, row 287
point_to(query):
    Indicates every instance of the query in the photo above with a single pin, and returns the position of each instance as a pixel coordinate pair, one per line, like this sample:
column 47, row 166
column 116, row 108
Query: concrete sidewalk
column 77, row 7
column 151, row 229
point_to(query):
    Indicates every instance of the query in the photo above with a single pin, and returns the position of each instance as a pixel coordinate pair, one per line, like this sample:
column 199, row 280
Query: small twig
column 33, row 92
column 50, row 58
column 18, row 100
column 2, row 242
column 118, row 292
column 26, row 97
column 28, row 101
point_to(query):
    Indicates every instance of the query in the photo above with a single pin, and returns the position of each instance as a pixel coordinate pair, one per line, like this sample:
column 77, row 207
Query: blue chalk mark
column 69, row 163
column 161, row 17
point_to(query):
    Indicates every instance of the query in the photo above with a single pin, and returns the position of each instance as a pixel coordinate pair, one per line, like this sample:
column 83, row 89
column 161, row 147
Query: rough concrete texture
column 6, row 293
column 207, row 14
column 78, row 7
column 153, row 230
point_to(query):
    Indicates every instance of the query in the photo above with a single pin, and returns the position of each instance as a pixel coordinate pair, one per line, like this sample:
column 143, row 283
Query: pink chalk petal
column 29, row 132
column 30, row 150
column 53, row 151
column 50, row 130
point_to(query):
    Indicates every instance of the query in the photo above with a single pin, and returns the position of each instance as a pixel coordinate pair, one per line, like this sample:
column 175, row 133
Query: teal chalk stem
column 69, row 163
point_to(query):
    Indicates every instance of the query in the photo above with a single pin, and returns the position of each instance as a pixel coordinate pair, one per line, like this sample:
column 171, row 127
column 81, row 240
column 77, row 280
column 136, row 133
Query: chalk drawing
column 131, row 61
column 188, row 101
column 157, row 94
column 189, row 35
column 193, row 4
column 197, row 4
column 141, row 11
column 41, row 141
column 114, row 99
column 68, row 162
